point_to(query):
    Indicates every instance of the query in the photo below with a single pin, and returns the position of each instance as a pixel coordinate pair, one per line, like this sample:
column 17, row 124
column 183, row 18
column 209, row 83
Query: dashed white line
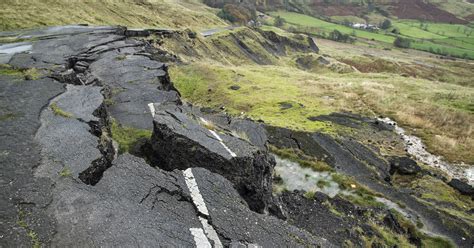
column 211, row 233
column 195, row 194
column 219, row 139
column 199, row 237
column 151, row 106
column 222, row 143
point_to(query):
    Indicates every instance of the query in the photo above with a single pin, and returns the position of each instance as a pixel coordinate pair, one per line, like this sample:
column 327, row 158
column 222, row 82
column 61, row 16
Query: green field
column 446, row 39
column 323, row 26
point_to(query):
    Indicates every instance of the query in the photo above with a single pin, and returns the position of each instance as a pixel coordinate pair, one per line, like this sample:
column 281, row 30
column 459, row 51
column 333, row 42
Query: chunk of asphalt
column 182, row 140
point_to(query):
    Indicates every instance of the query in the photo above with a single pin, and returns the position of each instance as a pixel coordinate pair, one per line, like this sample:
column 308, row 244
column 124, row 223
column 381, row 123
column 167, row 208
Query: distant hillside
column 451, row 11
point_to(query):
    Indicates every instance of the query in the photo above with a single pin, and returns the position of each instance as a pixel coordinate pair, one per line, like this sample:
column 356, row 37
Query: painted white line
column 222, row 143
column 151, row 106
column 195, row 194
column 211, row 233
column 200, row 238
column 219, row 139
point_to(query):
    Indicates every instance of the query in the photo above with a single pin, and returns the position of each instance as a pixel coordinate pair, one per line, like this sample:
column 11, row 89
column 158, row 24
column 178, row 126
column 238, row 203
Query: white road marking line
column 222, row 143
column 211, row 233
column 200, row 238
column 195, row 194
column 151, row 106
column 219, row 139
column 201, row 206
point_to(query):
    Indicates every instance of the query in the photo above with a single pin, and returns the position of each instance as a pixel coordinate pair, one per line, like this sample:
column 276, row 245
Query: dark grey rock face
column 462, row 187
column 404, row 166
column 182, row 140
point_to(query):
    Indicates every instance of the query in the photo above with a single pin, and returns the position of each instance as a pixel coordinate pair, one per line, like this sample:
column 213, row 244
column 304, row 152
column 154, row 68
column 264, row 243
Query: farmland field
column 440, row 38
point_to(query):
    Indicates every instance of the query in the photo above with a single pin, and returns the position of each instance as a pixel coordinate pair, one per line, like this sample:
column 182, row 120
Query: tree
column 386, row 24
column 402, row 42
column 279, row 22
column 340, row 37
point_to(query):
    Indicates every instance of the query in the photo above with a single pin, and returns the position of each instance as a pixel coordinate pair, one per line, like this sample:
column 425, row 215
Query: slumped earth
column 102, row 146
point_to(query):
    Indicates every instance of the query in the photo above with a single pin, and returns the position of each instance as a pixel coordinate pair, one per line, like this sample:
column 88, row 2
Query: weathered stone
column 463, row 187
column 234, row 87
column 403, row 165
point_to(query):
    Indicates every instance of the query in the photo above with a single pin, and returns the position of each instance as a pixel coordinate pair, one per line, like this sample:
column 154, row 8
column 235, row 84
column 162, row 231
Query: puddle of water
column 296, row 177
column 415, row 147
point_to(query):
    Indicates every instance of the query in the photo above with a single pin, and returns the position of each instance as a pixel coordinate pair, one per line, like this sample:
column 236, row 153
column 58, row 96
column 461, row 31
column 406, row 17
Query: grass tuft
column 59, row 112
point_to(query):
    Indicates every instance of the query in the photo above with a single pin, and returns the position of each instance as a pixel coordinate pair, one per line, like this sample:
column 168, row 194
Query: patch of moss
column 28, row 74
column 109, row 102
column 361, row 195
column 7, row 116
column 310, row 194
column 322, row 183
column 35, row 242
column 301, row 158
column 127, row 137
column 9, row 70
column 121, row 57
column 65, row 172
column 59, row 112
column 31, row 74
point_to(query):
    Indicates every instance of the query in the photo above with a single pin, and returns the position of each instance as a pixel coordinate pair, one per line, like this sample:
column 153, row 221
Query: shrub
column 402, row 42
column 340, row 37
column 279, row 22
column 386, row 24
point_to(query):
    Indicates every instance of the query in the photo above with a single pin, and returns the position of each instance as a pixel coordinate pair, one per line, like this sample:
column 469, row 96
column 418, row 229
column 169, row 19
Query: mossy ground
column 127, row 137
column 28, row 74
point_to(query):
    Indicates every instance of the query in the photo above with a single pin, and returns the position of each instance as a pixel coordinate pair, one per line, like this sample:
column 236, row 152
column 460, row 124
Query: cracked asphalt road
column 49, row 137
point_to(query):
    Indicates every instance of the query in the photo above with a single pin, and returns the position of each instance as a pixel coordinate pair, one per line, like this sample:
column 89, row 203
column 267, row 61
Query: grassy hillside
column 133, row 13
column 433, row 96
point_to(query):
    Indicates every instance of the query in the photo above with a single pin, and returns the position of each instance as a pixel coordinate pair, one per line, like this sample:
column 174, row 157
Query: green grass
column 323, row 26
column 59, row 112
column 302, row 159
column 262, row 90
column 135, row 13
column 65, row 172
column 28, row 74
column 127, row 137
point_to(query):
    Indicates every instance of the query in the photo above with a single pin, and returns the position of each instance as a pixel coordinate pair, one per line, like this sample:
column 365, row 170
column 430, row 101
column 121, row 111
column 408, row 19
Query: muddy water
column 296, row 177
column 415, row 147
